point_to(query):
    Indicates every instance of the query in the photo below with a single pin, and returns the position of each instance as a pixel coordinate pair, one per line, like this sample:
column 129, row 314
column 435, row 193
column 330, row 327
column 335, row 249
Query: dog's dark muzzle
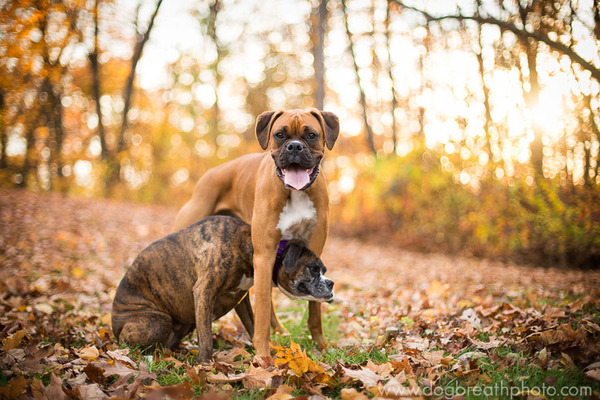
column 296, row 166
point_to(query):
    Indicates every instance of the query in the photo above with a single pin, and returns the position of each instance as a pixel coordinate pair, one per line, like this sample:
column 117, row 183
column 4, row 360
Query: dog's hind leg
column 244, row 311
column 202, row 203
column 178, row 333
column 147, row 329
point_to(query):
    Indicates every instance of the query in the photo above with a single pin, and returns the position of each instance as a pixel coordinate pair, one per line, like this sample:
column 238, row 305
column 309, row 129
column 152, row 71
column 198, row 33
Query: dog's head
column 302, row 274
column 297, row 139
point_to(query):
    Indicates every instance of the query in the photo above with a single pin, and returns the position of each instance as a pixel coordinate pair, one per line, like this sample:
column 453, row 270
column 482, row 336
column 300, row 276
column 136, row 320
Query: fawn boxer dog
column 196, row 275
column 281, row 193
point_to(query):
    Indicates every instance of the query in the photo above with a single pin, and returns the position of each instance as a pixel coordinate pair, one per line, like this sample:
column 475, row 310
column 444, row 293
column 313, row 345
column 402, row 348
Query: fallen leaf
column 562, row 334
column 54, row 391
column 492, row 344
column 258, row 377
column 90, row 392
column 594, row 374
column 220, row 377
column 383, row 369
column 181, row 391
column 16, row 387
column 37, row 389
column 95, row 373
column 367, row 377
column 436, row 289
column 353, row 394
column 284, row 392
column 470, row 316
column 88, row 353
column 45, row 308
column 121, row 355
column 13, row 340
column 178, row 364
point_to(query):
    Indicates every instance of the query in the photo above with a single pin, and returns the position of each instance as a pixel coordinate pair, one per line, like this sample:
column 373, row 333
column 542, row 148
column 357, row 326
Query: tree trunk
column 363, row 98
column 3, row 134
column 96, row 90
column 486, row 97
column 114, row 168
column 29, row 162
column 392, row 81
column 531, row 100
column 318, row 29
column 595, row 130
column 214, row 9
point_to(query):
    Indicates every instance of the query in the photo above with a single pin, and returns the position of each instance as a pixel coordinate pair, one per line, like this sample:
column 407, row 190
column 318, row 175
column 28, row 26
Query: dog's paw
column 263, row 361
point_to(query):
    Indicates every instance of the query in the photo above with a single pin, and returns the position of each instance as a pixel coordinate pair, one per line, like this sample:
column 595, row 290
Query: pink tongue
column 296, row 178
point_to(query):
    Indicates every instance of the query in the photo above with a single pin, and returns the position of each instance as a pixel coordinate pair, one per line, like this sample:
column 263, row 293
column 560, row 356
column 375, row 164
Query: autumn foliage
column 473, row 131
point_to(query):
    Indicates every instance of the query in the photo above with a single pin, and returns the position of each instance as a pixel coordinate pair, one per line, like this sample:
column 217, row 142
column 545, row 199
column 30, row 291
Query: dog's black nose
column 294, row 147
column 329, row 284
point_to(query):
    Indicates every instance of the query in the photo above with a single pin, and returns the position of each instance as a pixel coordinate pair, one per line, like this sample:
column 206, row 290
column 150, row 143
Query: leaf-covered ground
column 403, row 324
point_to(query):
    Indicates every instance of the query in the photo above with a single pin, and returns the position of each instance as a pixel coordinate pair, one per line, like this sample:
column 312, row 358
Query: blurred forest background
column 467, row 126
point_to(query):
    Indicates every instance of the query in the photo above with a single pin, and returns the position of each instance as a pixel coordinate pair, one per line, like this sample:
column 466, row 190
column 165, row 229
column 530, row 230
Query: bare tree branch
column 96, row 91
column 141, row 40
column 522, row 33
column 363, row 98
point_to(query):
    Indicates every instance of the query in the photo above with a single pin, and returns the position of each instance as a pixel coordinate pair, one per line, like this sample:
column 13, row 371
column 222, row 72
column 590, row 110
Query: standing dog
column 196, row 275
column 281, row 193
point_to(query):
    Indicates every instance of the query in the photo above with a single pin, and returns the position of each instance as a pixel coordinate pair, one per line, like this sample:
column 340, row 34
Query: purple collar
column 278, row 260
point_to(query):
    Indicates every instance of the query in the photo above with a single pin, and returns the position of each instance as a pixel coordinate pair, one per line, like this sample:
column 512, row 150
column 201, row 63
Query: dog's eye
column 311, row 136
column 279, row 135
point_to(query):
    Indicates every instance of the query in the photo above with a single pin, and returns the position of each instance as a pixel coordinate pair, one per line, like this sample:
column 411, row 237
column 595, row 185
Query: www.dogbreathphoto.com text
column 500, row 390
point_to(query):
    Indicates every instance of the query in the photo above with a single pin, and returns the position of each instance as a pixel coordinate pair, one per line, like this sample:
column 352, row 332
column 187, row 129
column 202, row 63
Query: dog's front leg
column 204, row 304
column 265, row 251
column 319, row 197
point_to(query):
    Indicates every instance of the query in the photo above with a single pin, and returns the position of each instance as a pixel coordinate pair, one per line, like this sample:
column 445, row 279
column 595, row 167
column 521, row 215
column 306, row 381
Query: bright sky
column 454, row 73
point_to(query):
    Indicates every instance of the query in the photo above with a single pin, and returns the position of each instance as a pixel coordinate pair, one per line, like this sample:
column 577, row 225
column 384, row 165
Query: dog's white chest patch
column 298, row 217
column 246, row 283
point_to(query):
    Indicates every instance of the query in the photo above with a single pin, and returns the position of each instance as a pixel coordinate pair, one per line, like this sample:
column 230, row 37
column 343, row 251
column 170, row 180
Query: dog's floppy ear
column 292, row 254
column 264, row 122
column 330, row 125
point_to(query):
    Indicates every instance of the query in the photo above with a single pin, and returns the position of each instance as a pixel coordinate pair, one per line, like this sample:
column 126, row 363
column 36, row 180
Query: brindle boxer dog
column 198, row 274
column 281, row 193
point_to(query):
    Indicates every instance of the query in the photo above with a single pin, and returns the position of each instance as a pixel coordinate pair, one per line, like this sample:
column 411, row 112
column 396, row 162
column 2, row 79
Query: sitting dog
column 198, row 274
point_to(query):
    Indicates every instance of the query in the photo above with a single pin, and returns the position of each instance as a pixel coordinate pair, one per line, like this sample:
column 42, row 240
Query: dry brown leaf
column 222, row 378
column 258, row 377
column 95, row 373
column 13, row 340
column 54, row 391
column 90, row 392
column 367, row 377
column 181, row 391
column 433, row 358
column 353, row 394
column 436, row 289
column 121, row 355
column 45, row 308
column 16, row 387
column 594, row 374
column 492, row 344
column 88, row 353
column 564, row 333
column 178, row 364
column 383, row 369
column 284, row 392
